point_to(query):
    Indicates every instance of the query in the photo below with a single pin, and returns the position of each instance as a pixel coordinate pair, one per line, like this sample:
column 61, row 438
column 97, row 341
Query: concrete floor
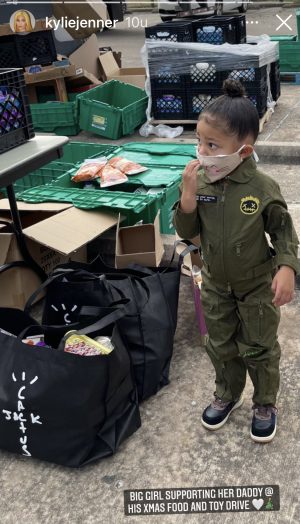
column 172, row 449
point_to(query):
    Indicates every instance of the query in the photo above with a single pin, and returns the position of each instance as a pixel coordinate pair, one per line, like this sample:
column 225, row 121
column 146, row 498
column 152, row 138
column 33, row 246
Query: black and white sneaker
column 217, row 413
column 264, row 421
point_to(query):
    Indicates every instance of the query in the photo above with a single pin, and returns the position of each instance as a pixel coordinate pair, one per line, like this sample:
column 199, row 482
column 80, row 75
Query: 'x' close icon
column 284, row 22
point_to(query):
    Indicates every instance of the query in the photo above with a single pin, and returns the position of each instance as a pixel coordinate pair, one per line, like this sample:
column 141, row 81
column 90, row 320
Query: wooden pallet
column 175, row 122
column 290, row 78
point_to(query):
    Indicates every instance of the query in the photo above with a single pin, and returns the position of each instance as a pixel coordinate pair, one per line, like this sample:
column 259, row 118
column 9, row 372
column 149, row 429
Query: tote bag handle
column 116, row 314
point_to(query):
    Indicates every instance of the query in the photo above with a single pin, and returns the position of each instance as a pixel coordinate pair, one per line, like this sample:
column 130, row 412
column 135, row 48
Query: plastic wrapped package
column 180, row 57
column 183, row 78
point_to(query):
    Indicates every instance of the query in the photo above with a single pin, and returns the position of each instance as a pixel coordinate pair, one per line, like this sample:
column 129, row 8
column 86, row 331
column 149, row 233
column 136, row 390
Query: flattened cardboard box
column 130, row 75
column 55, row 233
column 141, row 244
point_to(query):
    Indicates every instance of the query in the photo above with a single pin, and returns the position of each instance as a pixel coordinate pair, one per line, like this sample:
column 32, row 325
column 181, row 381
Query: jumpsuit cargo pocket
column 259, row 321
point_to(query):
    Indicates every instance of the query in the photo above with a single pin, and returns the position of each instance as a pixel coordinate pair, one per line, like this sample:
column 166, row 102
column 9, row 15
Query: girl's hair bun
column 233, row 88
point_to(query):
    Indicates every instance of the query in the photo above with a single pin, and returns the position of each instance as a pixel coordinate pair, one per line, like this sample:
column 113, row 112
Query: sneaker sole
column 218, row 426
column 263, row 440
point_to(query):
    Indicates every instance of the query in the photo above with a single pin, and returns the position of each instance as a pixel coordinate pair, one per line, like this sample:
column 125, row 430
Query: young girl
column 245, row 281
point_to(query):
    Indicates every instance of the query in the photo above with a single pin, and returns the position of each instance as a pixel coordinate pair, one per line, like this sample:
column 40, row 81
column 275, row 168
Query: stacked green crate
column 60, row 118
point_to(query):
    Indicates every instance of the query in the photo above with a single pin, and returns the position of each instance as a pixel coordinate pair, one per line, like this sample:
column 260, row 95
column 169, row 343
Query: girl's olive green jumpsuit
column 232, row 217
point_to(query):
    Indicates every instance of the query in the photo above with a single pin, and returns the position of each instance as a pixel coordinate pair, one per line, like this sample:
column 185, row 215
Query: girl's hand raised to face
column 189, row 178
column 188, row 201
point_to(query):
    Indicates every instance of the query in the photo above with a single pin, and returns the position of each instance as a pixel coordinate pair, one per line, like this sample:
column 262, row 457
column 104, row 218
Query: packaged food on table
column 90, row 169
column 126, row 166
column 111, row 176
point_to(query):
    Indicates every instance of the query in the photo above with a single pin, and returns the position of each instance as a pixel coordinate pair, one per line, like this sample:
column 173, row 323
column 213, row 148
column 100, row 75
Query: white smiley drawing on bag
column 66, row 315
column 258, row 503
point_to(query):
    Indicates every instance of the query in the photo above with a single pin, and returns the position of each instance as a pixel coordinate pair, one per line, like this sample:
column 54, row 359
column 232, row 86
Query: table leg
column 19, row 234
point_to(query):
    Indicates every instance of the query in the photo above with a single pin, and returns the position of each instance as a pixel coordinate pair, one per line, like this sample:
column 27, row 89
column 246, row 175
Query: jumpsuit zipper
column 223, row 235
column 261, row 314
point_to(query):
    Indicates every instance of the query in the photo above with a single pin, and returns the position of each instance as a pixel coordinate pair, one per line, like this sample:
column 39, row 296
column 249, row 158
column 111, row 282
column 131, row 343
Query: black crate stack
column 15, row 117
column 182, row 96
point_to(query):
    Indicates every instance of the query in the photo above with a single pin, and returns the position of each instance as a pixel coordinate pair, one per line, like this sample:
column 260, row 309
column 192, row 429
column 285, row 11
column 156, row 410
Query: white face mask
column 217, row 167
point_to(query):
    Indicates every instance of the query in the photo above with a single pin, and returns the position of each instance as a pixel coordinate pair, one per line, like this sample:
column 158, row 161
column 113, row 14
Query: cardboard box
column 141, row 244
column 86, row 56
column 117, row 54
column 55, row 233
column 85, row 11
column 130, row 75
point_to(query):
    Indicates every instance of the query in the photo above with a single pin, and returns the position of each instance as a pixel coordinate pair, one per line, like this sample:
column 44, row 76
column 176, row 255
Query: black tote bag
column 150, row 323
column 61, row 407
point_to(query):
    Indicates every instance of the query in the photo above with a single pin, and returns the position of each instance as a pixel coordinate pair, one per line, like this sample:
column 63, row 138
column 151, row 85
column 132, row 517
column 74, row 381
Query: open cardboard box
column 55, row 233
column 130, row 75
column 140, row 244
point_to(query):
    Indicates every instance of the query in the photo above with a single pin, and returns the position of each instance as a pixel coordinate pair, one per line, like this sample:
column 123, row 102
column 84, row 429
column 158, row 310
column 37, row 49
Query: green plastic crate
column 166, row 211
column 43, row 176
column 153, row 177
column 289, row 51
column 75, row 152
column 289, row 56
column 283, row 38
column 165, row 195
column 166, row 154
column 113, row 109
column 133, row 206
column 60, row 118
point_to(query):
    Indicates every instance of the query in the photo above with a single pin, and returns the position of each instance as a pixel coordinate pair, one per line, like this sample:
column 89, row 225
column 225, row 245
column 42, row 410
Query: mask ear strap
column 255, row 156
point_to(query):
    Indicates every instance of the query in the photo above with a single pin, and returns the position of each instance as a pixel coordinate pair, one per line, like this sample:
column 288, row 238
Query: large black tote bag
column 62, row 407
column 149, row 325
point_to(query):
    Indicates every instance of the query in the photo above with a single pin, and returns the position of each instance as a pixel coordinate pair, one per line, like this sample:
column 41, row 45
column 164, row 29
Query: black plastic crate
column 240, row 26
column 164, row 78
column 199, row 98
column 275, row 80
column 8, row 52
column 177, row 31
column 168, row 104
column 203, row 74
column 250, row 77
column 15, row 117
column 216, row 30
column 36, row 48
column 259, row 100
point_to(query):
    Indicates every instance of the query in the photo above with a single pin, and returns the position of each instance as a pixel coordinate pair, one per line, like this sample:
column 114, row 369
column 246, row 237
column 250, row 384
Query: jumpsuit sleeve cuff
column 286, row 260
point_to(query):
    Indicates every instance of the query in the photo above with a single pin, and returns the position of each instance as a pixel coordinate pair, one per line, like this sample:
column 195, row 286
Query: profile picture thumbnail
column 22, row 21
